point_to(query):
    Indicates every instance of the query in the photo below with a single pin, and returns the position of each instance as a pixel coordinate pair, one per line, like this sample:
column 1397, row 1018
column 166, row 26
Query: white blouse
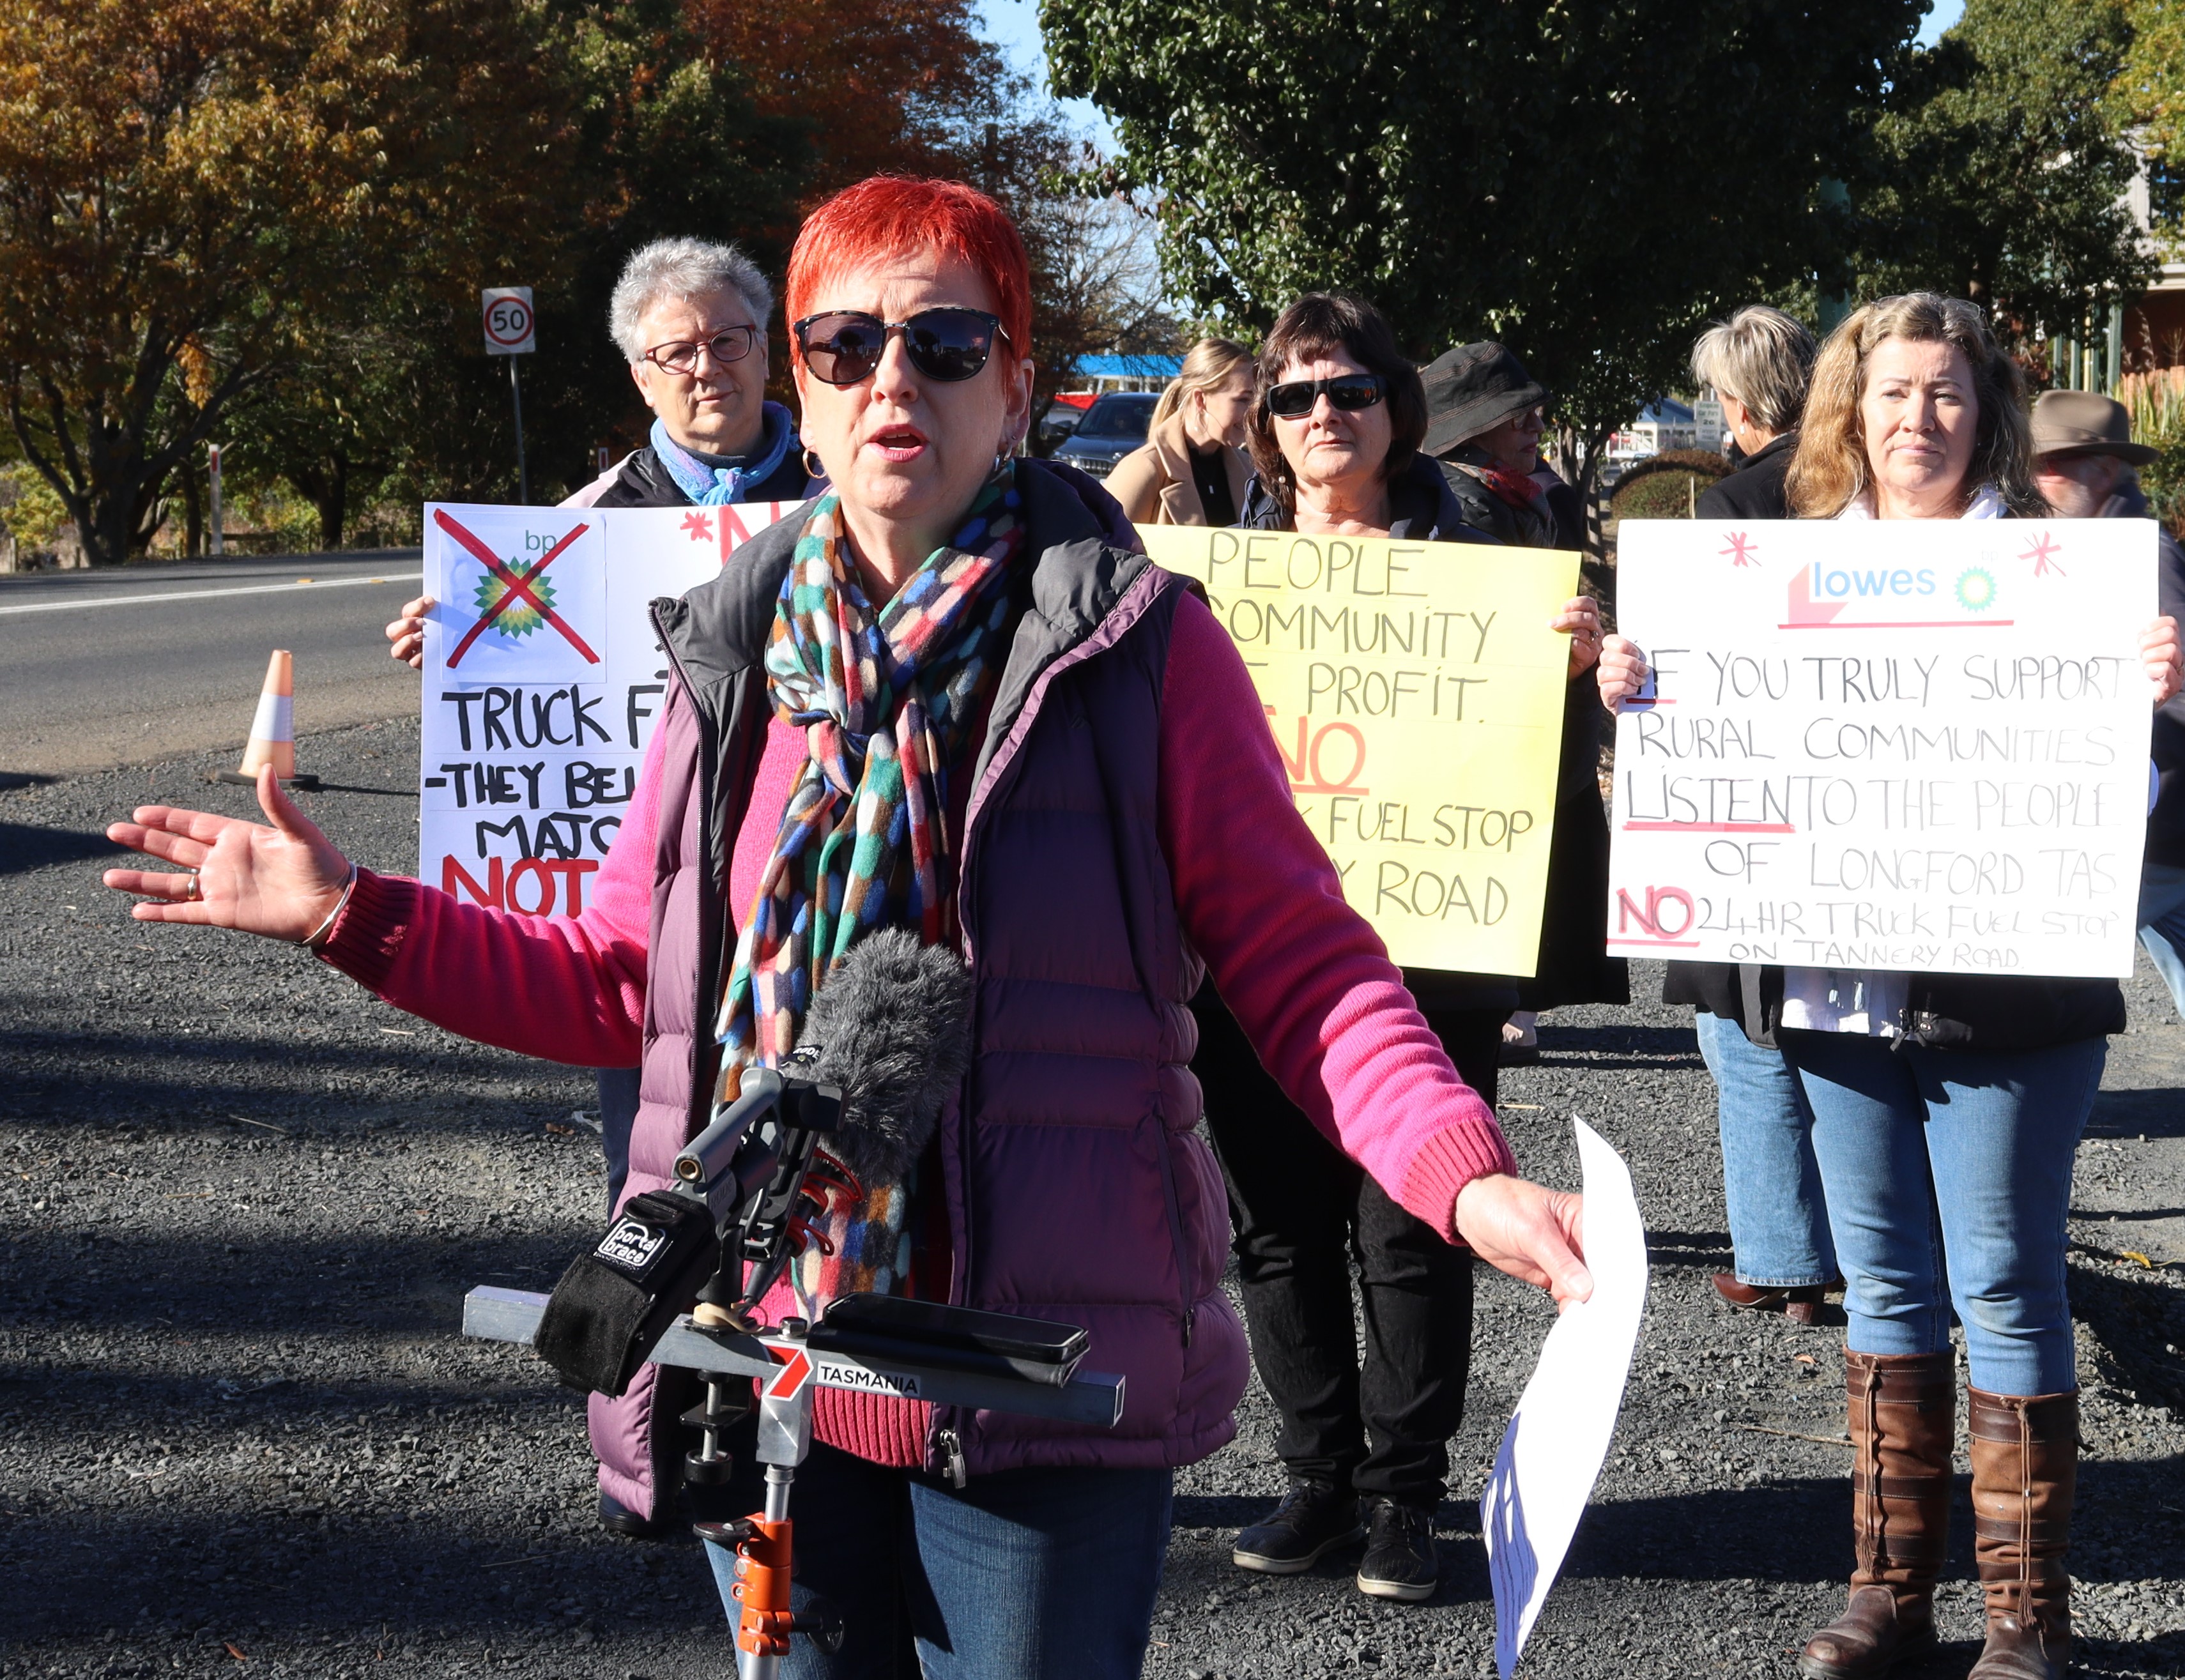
column 1866, row 1001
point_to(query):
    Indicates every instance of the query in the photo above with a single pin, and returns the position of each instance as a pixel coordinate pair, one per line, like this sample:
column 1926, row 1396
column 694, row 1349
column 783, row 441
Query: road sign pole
column 218, row 519
column 511, row 330
column 522, row 472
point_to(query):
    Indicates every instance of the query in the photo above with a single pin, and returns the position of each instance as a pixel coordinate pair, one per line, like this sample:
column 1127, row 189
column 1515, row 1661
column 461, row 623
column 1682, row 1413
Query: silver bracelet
column 310, row 940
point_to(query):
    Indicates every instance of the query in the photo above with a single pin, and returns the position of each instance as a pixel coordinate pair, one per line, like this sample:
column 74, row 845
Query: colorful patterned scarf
column 887, row 702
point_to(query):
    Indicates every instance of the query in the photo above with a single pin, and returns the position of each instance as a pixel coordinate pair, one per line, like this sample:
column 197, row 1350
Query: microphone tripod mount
column 953, row 1357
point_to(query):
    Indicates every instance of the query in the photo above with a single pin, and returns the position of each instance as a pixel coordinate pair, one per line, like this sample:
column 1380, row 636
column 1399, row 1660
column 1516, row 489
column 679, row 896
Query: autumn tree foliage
column 193, row 191
column 880, row 85
column 266, row 221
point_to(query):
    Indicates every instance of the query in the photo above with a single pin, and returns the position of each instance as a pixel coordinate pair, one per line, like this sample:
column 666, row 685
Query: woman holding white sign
column 952, row 697
column 1335, row 436
column 1946, row 1108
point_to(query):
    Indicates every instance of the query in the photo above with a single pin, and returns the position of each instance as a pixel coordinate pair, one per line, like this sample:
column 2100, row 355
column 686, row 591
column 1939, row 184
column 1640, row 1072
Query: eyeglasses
column 844, row 346
column 1349, row 392
column 680, row 355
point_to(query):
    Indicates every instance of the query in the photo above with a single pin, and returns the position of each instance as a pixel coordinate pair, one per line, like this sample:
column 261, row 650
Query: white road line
column 203, row 594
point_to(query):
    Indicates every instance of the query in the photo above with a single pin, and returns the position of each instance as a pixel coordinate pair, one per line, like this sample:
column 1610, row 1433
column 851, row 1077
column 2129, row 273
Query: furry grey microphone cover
column 892, row 1027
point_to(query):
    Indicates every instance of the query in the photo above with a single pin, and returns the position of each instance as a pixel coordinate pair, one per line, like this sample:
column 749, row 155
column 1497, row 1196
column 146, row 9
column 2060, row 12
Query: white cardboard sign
column 1894, row 745
column 543, row 682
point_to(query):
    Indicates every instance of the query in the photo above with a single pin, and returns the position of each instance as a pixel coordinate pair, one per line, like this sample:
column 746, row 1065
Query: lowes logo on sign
column 632, row 1246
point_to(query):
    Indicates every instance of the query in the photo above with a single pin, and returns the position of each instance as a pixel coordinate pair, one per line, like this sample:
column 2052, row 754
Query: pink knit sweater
column 1305, row 976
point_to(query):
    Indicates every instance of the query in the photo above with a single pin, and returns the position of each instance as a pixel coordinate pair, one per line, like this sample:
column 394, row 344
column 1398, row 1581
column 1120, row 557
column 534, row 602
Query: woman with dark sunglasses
column 1335, row 437
column 952, row 697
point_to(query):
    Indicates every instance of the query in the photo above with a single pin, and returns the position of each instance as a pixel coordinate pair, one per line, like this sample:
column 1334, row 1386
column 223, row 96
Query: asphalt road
column 240, row 1200
column 123, row 667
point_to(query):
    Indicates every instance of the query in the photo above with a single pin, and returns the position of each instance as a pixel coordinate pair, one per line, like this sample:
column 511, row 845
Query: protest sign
column 1416, row 694
column 543, row 681
column 1911, row 745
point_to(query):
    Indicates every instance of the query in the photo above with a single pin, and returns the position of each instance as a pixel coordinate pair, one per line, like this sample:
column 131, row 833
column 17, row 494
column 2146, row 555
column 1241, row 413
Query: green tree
column 2000, row 170
column 1587, row 182
column 2147, row 99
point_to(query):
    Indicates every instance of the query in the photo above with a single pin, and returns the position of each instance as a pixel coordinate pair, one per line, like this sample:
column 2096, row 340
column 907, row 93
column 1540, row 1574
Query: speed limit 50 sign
column 509, row 328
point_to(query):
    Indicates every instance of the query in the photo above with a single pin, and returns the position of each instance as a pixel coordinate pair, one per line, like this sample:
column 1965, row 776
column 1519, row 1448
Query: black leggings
column 1303, row 1213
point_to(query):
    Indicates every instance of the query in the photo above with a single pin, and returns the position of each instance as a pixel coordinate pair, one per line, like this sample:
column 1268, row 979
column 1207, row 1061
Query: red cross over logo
column 1740, row 551
column 519, row 586
column 2042, row 554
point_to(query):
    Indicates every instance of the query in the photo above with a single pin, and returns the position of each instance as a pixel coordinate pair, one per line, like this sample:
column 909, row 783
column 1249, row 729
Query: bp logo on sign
column 509, row 328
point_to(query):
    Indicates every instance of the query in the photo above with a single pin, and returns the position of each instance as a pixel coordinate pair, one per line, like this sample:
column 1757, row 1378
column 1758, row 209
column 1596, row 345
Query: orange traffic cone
column 273, row 730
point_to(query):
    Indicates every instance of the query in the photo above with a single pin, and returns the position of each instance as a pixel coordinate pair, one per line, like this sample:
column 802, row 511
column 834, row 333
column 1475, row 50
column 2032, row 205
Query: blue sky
column 1946, row 13
column 1015, row 24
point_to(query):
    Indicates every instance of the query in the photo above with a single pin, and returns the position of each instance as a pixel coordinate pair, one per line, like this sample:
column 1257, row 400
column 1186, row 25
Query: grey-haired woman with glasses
column 691, row 317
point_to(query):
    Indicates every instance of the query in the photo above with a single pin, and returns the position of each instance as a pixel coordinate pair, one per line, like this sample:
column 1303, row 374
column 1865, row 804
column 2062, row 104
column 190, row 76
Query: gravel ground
column 238, row 1431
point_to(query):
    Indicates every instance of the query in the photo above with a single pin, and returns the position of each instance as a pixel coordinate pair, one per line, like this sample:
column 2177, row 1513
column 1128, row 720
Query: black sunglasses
column 844, row 346
column 680, row 355
column 1349, row 392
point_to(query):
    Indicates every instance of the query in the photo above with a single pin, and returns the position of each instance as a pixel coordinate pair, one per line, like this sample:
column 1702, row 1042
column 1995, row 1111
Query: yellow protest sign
column 1416, row 694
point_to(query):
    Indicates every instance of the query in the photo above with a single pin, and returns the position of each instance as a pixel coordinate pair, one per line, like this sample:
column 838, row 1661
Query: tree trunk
column 193, row 516
column 332, row 501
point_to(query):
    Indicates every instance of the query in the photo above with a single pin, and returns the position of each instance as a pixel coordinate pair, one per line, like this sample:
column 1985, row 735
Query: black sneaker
column 617, row 1518
column 1399, row 1561
column 1312, row 1519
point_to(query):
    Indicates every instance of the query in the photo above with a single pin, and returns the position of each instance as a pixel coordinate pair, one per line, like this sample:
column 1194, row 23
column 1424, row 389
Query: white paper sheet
column 1553, row 1449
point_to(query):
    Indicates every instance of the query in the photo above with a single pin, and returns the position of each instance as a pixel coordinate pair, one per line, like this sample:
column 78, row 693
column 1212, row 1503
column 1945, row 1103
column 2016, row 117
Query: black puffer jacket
column 643, row 481
column 1757, row 488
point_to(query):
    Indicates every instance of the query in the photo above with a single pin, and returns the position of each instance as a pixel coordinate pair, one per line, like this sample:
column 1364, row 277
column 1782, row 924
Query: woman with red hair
column 952, row 697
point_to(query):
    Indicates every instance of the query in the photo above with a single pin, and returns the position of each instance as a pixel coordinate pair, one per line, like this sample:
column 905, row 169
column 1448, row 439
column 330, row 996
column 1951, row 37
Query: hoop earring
column 814, row 467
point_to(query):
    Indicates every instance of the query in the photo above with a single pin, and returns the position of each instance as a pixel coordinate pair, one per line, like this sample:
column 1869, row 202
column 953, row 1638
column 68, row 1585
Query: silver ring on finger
column 191, row 894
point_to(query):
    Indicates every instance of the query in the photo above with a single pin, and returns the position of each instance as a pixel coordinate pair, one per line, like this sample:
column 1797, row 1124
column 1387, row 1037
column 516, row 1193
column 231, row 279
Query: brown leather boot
column 1904, row 1417
column 2026, row 1467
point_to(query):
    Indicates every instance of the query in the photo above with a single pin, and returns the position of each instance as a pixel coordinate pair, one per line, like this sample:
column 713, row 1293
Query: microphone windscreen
column 891, row 1026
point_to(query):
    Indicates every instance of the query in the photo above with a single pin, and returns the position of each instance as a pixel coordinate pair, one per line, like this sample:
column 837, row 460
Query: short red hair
column 886, row 215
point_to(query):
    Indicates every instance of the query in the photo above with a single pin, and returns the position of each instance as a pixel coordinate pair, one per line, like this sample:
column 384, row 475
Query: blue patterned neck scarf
column 718, row 486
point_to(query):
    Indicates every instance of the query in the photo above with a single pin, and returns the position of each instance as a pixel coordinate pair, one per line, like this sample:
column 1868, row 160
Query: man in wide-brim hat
column 2083, row 457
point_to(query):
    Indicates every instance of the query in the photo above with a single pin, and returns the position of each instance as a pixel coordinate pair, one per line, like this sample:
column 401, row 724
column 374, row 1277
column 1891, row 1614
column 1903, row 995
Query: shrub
column 1665, row 486
column 28, row 508
column 2156, row 404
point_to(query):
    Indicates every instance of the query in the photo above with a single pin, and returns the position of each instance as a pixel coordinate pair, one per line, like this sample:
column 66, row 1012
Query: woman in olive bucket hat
column 1484, row 424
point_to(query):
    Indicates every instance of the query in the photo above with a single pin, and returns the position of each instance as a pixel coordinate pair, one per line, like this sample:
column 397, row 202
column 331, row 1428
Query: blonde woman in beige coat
column 1192, row 469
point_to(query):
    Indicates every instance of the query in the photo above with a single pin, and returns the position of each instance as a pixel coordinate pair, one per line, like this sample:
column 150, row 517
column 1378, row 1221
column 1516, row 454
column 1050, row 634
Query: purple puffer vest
column 1077, row 1188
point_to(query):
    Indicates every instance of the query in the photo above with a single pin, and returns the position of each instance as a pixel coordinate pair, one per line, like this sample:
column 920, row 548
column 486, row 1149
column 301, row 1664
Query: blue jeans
column 1028, row 1575
column 617, row 1118
column 2162, row 923
column 1779, row 1224
column 1949, row 1177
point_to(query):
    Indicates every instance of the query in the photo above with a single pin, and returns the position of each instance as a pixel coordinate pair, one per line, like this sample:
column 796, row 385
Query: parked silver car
column 1113, row 426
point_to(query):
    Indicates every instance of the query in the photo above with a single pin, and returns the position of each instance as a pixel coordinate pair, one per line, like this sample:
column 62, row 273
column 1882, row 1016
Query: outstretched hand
column 283, row 881
column 1534, row 1233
